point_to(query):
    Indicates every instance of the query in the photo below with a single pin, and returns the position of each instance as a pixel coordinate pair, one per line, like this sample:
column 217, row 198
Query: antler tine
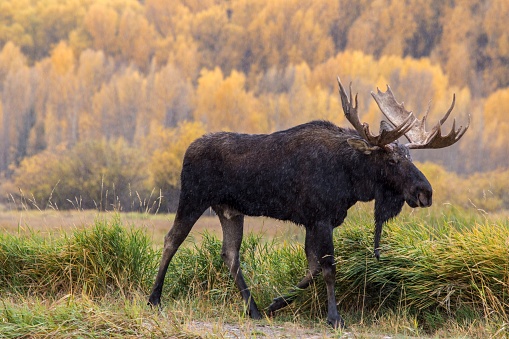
column 450, row 109
column 425, row 117
column 417, row 135
column 436, row 140
column 397, row 114
column 388, row 136
column 351, row 114
column 350, row 110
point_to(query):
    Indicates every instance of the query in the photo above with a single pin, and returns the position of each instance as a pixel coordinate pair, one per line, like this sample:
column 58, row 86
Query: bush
column 99, row 174
column 485, row 191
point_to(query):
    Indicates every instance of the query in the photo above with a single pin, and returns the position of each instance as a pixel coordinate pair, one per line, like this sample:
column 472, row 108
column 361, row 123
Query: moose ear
column 362, row 145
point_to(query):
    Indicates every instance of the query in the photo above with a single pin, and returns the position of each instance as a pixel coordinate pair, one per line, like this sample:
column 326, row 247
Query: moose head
column 401, row 123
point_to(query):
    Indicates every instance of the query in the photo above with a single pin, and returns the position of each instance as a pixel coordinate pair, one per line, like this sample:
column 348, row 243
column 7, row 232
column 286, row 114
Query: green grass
column 105, row 258
column 440, row 274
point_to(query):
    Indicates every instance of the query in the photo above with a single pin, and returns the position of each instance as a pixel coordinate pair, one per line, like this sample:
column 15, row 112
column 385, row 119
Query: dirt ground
column 288, row 330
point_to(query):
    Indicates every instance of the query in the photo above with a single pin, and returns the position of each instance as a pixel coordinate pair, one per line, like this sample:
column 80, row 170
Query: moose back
column 311, row 175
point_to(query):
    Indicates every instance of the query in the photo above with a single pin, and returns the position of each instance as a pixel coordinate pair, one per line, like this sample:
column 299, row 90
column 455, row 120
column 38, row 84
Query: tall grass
column 102, row 259
column 434, row 269
column 428, row 266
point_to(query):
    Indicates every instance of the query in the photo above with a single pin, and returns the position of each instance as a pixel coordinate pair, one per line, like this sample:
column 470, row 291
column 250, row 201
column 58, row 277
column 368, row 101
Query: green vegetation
column 94, row 261
column 443, row 273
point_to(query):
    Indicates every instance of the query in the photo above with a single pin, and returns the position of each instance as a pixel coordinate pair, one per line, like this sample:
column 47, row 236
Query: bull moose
column 310, row 175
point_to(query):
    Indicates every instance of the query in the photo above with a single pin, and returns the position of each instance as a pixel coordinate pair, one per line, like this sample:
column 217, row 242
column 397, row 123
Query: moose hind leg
column 324, row 247
column 185, row 218
column 233, row 224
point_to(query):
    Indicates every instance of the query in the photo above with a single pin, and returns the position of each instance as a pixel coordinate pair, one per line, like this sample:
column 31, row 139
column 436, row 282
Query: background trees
column 157, row 73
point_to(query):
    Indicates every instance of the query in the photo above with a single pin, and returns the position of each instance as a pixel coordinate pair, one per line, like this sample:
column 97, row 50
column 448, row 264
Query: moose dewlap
column 311, row 175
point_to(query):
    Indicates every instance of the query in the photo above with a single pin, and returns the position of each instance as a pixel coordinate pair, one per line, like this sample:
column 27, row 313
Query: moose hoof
column 336, row 323
column 154, row 301
column 377, row 254
column 255, row 315
column 253, row 312
column 277, row 303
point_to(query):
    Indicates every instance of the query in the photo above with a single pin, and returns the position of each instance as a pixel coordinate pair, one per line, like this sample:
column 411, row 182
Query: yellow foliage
column 184, row 55
column 95, row 174
column 37, row 176
column 496, row 126
column 62, row 58
column 166, row 160
column 383, row 28
column 73, row 71
column 169, row 98
column 166, row 16
column 135, row 38
column 224, row 104
column 11, row 60
column 280, row 30
column 101, row 22
column 487, row 192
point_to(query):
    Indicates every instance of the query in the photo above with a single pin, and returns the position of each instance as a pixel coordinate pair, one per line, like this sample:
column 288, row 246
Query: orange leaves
column 11, row 60
column 101, row 22
column 496, row 125
column 486, row 192
column 128, row 35
column 224, row 104
column 383, row 28
column 62, row 58
column 73, row 71
column 280, row 31
column 166, row 159
column 135, row 38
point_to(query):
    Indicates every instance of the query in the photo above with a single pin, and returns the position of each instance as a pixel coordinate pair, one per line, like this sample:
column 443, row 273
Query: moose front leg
column 319, row 249
column 325, row 249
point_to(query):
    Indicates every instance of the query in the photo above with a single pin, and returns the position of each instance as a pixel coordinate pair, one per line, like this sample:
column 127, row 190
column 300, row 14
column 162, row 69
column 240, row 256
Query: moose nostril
column 424, row 200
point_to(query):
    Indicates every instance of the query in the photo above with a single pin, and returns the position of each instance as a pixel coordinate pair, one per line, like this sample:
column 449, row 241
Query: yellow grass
column 53, row 221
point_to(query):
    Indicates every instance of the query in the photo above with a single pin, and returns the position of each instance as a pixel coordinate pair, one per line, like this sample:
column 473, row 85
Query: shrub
column 486, row 191
column 98, row 174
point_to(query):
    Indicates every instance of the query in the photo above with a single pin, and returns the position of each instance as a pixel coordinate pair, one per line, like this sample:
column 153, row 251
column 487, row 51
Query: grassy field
column 443, row 273
column 156, row 226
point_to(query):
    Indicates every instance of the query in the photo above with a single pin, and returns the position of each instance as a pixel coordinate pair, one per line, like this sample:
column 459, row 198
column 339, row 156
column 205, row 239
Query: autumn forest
column 100, row 98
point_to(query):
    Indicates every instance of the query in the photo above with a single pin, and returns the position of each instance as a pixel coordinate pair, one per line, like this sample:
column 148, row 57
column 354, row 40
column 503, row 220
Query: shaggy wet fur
column 309, row 174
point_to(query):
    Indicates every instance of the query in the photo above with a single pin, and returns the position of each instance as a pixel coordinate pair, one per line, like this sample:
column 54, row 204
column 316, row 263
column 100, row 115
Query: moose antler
column 417, row 135
column 386, row 136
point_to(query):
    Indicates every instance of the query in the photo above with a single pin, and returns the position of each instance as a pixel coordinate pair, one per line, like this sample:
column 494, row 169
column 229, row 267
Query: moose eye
column 393, row 161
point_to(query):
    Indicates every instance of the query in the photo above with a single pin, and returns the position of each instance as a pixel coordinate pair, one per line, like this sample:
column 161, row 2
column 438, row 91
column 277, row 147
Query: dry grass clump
column 434, row 269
